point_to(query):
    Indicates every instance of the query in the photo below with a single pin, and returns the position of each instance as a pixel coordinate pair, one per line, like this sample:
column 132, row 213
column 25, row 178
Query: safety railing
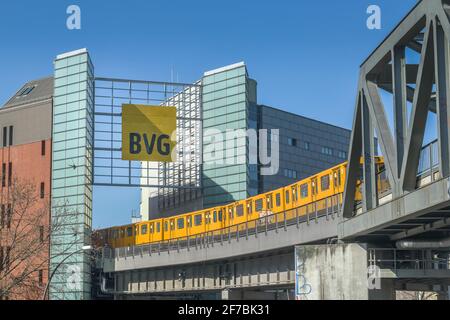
column 308, row 214
column 395, row 260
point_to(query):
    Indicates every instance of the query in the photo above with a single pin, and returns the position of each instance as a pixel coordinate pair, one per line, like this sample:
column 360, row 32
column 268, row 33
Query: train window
column 180, row 223
column 325, row 183
column 278, row 199
column 220, row 215
column 215, row 216
column 172, row 225
column 249, row 208
column 294, row 194
column 304, row 190
column 166, row 226
column 207, row 218
column 144, row 229
column 189, row 222
column 287, row 197
column 136, row 230
column 158, row 227
column 259, row 205
column 152, row 228
column 240, row 210
column 198, row 220
column 129, row 232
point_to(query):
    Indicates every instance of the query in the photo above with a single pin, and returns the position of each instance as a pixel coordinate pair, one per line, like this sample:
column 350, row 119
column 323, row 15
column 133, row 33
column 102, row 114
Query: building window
column 41, row 234
column 307, row 146
column 292, row 142
column 26, row 91
column 3, row 174
column 10, row 174
column 342, row 154
column 2, row 217
column 327, row 151
column 41, row 278
column 292, row 174
column 8, row 216
column 5, row 136
column 42, row 190
column 43, row 148
column 11, row 129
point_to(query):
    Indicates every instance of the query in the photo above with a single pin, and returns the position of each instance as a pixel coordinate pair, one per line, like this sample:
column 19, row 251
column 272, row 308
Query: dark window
column 129, row 232
column 287, row 197
column 41, row 234
column 26, row 91
column 166, row 226
column 259, row 205
column 292, row 142
column 158, row 227
column 3, row 174
column 304, row 190
column 1, row 259
column 240, row 210
column 11, row 129
column 41, row 278
column 2, row 217
column 10, row 174
column 220, row 215
column 43, row 148
column 180, row 223
column 42, row 190
column 249, row 208
column 198, row 220
column 8, row 216
column 278, row 199
column 5, row 136
column 325, row 183
column 144, row 229
column 215, row 216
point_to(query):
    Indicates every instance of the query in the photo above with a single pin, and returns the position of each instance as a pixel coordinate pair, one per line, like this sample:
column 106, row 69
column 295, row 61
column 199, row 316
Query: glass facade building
column 228, row 94
column 72, row 134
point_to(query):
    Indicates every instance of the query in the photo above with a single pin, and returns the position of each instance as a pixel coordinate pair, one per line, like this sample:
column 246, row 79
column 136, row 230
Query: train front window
column 198, row 220
column 180, row 223
column 304, row 190
column 240, row 210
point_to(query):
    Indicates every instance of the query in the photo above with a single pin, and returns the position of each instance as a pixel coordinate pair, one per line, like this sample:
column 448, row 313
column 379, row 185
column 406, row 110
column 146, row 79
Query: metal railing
column 395, row 260
column 308, row 214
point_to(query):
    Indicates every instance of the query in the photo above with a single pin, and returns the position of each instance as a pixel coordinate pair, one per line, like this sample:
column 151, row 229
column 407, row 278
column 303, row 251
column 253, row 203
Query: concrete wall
column 336, row 272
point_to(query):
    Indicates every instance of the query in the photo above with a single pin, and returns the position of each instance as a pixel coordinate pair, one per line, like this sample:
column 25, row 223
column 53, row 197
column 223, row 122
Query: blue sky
column 305, row 55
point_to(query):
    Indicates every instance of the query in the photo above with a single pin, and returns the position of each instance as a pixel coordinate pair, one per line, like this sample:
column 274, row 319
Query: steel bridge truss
column 422, row 87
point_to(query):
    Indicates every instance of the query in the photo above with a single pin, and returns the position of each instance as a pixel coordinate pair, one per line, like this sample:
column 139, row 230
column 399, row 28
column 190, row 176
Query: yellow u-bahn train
column 315, row 190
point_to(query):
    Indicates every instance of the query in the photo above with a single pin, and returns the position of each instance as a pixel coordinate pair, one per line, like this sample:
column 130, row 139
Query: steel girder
column 425, row 30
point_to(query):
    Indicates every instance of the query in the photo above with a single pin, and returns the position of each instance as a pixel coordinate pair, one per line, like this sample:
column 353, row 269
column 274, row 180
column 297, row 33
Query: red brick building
column 25, row 160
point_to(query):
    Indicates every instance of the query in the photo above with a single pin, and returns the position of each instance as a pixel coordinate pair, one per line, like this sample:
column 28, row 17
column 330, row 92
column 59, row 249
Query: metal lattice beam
column 425, row 30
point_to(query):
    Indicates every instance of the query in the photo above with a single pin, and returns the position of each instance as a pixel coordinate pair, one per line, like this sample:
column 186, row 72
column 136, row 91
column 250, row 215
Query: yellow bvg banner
column 148, row 133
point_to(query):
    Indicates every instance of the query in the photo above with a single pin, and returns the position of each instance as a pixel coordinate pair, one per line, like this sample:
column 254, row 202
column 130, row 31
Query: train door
column 249, row 210
column 188, row 225
column 230, row 215
column 314, row 189
column 172, row 233
column 269, row 204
